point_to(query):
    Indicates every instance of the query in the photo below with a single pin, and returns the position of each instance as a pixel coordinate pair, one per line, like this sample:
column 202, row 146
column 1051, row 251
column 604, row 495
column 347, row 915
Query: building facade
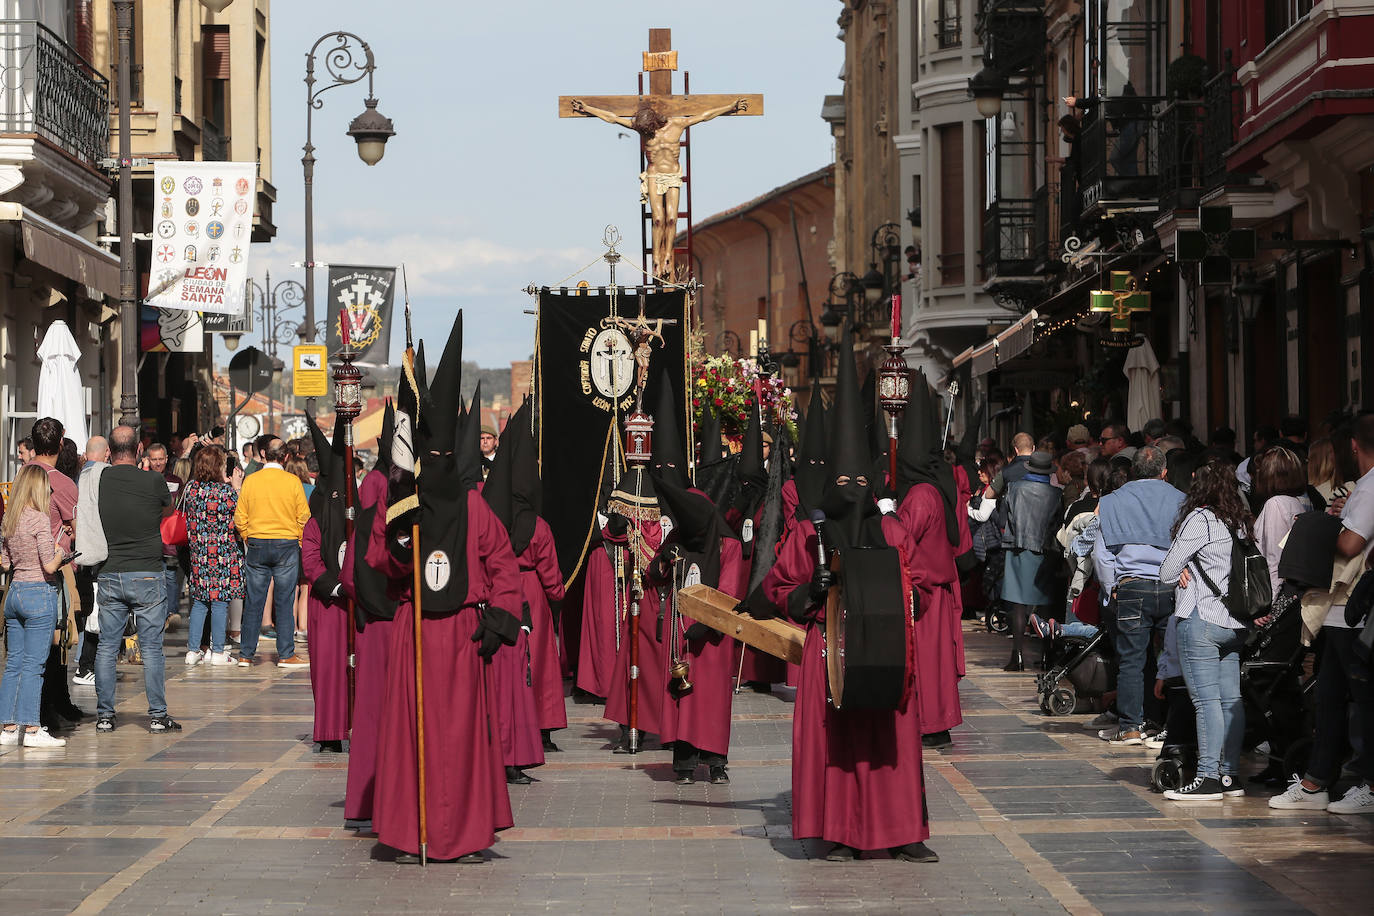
column 201, row 84
column 1208, row 181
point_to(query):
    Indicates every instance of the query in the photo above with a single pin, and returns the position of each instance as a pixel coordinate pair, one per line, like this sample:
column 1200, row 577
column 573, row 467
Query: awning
column 1007, row 345
column 64, row 252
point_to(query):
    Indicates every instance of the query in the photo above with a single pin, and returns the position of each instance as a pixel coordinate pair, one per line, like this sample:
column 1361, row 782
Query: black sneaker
column 685, row 778
column 719, row 777
column 1203, row 788
column 161, row 724
column 1229, row 787
column 104, row 724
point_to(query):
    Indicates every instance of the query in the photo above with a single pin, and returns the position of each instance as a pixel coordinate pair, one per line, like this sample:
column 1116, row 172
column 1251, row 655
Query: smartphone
column 68, row 558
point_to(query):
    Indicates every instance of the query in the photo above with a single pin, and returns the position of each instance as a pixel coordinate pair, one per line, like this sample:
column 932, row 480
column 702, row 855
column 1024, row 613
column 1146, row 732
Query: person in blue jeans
column 270, row 515
column 1135, row 530
column 1210, row 640
column 31, row 551
column 132, row 582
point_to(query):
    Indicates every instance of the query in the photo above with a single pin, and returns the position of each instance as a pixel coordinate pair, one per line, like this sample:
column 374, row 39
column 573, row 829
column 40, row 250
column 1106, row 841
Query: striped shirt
column 1202, row 540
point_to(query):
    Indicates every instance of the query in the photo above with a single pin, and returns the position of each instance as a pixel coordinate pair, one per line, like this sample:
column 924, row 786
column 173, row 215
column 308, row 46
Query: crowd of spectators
column 1137, row 533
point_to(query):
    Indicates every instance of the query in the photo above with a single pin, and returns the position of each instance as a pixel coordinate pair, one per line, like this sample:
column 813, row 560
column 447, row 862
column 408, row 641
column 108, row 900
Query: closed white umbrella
column 1143, row 402
column 59, row 384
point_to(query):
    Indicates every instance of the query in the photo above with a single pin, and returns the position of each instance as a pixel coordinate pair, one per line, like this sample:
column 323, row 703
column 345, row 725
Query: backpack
column 1249, row 594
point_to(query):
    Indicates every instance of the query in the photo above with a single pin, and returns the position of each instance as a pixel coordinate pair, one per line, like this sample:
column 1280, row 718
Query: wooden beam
column 661, row 81
column 668, row 105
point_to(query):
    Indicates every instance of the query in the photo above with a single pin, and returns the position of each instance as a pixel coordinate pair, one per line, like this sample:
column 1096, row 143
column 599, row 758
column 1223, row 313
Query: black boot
column 841, row 853
column 914, row 852
column 623, row 745
column 517, row 777
column 1014, row 663
column 936, row 740
column 719, row 777
column 549, row 746
column 1016, row 614
column 331, row 747
column 685, row 778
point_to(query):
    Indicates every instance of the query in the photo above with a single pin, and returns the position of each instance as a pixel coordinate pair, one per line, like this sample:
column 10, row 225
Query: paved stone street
column 1030, row 814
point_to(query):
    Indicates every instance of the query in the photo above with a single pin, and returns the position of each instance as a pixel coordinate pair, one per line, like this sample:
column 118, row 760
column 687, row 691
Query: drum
column 866, row 630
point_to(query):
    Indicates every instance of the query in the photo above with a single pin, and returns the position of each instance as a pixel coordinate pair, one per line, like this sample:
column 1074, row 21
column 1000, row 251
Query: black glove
column 662, row 567
column 617, row 525
column 490, row 640
column 698, row 631
column 821, row 580
column 398, row 540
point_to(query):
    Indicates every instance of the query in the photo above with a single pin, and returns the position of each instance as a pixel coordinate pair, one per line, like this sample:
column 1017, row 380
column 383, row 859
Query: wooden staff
column 417, row 583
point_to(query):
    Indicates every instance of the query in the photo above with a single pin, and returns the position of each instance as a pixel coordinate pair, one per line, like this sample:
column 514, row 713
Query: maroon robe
column 326, row 639
column 962, row 495
column 753, row 666
column 542, row 583
column 653, row 655
column 596, row 643
column 856, row 774
column 510, row 688
column 939, row 634
column 370, row 649
column 465, row 779
column 702, row 717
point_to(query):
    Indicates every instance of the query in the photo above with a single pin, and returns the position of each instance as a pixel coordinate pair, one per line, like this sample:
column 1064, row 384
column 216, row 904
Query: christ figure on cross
column 660, row 185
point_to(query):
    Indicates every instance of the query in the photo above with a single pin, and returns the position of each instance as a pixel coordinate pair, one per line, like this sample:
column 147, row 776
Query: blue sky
column 484, row 189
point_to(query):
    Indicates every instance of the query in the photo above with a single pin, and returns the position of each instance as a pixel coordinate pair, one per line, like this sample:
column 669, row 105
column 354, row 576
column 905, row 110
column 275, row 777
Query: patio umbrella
column 1142, row 398
column 60, row 395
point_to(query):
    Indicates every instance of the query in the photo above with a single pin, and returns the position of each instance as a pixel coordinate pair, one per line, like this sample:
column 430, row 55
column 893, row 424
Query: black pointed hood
column 507, row 489
column 920, row 458
column 384, row 439
column 467, row 447
column 697, row 528
column 327, row 504
column 716, row 469
column 442, row 396
column 850, row 508
column 709, row 441
column 811, row 458
column 750, row 470
column 873, row 423
column 669, row 460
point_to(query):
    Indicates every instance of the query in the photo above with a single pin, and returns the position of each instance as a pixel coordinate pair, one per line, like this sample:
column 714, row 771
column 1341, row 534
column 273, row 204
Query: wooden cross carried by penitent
column 661, row 119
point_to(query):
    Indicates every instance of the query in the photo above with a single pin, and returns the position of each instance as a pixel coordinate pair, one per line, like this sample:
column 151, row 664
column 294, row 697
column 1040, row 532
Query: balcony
column 49, row 90
column 1012, row 33
column 1181, row 125
column 1009, row 238
column 1221, row 122
column 214, row 145
column 1120, row 156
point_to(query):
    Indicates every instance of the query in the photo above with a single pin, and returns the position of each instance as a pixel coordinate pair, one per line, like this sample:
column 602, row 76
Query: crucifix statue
column 660, row 118
column 642, row 334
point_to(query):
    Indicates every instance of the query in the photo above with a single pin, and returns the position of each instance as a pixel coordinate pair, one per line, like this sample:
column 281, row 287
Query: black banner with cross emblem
column 362, row 296
column 588, row 371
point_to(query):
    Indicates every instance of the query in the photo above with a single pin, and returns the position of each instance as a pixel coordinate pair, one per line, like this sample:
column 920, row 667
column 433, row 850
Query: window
column 947, row 22
column 951, row 204
column 1282, row 15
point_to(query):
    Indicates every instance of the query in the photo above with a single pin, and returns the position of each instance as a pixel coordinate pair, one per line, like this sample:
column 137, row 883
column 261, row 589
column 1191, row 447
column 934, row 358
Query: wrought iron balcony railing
column 947, row 25
column 214, row 146
column 1222, row 110
column 1119, row 148
column 47, row 89
column 1009, row 238
column 1012, row 33
column 1181, row 125
column 1048, row 230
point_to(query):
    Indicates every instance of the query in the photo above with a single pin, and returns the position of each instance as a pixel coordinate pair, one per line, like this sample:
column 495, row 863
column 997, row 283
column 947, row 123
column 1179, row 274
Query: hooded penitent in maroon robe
column 596, row 643
column 939, row 635
column 370, row 649
column 327, row 637
column 542, row 584
column 856, row 774
column 653, row 660
column 746, row 517
column 467, row 800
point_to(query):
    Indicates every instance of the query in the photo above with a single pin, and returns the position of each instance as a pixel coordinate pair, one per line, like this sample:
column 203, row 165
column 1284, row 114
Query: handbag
column 174, row 530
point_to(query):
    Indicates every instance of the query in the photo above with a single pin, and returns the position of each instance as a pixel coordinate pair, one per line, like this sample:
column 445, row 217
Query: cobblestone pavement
column 1030, row 814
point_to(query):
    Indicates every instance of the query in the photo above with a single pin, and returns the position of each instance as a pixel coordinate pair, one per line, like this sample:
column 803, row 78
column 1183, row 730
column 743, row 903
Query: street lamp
column 986, row 87
column 1250, row 296
column 370, row 129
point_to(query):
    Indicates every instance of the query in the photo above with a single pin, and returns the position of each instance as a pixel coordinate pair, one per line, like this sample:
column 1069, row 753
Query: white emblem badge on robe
column 437, row 571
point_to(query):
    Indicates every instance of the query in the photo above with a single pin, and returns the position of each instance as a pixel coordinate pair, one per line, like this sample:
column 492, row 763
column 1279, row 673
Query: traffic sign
column 251, row 370
column 310, row 371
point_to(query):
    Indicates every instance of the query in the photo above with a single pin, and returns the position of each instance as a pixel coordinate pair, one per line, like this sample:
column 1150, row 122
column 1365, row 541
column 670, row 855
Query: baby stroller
column 1089, row 665
column 1277, row 704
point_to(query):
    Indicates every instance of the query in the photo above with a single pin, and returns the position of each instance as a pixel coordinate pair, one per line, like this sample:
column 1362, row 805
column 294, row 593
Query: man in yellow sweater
column 270, row 516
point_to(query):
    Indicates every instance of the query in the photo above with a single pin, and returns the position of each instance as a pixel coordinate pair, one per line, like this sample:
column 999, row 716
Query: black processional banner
column 362, row 295
column 586, row 375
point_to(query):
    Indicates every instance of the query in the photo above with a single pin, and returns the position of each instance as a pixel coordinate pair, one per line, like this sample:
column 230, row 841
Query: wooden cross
column 661, row 134
column 659, row 62
column 1122, row 300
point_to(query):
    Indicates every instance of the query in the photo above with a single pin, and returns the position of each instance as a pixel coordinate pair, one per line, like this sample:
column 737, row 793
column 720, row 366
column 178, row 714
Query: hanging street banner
column 202, row 227
column 362, row 296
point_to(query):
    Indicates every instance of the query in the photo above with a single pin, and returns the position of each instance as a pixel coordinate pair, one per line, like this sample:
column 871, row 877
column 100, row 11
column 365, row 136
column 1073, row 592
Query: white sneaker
column 1359, row 800
column 84, row 680
column 194, row 658
column 9, row 737
column 41, row 738
column 221, row 658
column 1297, row 797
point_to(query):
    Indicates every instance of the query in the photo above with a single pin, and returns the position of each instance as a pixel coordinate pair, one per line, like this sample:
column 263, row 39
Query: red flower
column 719, row 402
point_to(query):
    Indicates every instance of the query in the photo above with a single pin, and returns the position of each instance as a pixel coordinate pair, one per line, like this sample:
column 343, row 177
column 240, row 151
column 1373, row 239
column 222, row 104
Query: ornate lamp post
column 370, row 129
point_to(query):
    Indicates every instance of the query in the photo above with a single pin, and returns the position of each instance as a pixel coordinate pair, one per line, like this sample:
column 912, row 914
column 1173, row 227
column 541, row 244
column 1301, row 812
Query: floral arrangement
column 728, row 385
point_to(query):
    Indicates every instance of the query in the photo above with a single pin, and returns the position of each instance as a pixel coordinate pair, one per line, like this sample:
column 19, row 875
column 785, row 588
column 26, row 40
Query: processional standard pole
column 348, row 404
column 894, row 387
column 417, row 583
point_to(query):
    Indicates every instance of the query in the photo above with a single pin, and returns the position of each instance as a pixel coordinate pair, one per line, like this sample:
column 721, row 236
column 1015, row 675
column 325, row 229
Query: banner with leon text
column 202, row 229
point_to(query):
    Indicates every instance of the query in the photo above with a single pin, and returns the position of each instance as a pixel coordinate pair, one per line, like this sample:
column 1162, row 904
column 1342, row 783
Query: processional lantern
column 894, row 384
column 639, row 438
column 348, row 378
